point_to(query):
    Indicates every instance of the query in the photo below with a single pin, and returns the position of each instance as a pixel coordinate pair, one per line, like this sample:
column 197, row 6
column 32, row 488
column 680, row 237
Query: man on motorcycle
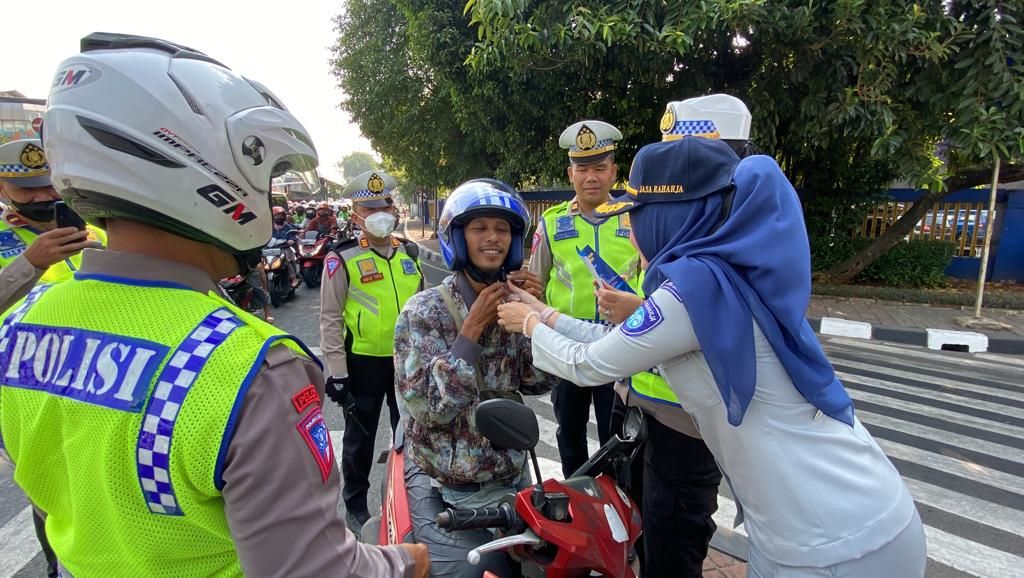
column 366, row 282
column 324, row 221
column 449, row 356
column 205, row 451
column 285, row 231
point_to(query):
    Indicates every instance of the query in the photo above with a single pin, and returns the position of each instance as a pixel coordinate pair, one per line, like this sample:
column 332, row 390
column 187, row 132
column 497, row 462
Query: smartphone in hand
column 66, row 217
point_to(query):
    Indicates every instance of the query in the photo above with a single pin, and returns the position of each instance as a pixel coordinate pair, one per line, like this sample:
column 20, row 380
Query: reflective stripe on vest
column 653, row 387
column 377, row 290
column 15, row 240
column 570, row 288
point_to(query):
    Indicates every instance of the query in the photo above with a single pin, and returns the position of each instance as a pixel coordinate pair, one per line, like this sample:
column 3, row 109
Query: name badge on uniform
column 565, row 228
column 645, row 318
column 368, row 270
column 624, row 226
column 409, row 267
column 11, row 245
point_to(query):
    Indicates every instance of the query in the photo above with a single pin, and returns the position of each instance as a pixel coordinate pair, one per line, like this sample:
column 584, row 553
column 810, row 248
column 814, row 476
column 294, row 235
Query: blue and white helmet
column 481, row 198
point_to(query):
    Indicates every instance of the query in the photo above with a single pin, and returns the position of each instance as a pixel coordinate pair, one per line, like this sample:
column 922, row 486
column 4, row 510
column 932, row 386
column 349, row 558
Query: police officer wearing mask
column 569, row 285
column 32, row 247
column 191, row 439
column 366, row 282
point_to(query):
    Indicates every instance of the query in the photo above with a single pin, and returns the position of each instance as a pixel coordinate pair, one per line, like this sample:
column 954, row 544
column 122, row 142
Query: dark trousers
column 675, row 480
column 51, row 559
column 680, row 493
column 373, row 381
column 572, row 410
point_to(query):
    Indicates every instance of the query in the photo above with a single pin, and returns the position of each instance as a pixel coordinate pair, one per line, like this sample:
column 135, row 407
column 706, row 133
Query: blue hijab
column 753, row 266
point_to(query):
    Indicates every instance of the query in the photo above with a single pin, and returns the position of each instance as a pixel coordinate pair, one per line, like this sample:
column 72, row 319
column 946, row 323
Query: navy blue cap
column 673, row 172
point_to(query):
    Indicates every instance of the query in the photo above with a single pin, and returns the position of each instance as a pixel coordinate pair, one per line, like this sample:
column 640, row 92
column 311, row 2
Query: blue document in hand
column 601, row 270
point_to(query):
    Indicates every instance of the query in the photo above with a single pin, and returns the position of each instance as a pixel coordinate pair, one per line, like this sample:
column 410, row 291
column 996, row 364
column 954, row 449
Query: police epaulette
column 412, row 248
column 343, row 244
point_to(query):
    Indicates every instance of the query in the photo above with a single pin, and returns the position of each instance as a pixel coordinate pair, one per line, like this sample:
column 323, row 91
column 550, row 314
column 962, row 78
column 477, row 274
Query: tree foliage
column 357, row 163
column 846, row 94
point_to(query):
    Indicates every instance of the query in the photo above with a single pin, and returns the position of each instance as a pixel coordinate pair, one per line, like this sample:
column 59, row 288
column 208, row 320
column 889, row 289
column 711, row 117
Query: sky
column 284, row 45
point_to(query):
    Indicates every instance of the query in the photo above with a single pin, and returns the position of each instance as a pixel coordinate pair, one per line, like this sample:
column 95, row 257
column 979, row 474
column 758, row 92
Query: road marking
column 18, row 542
column 996, row 408
column 950, row 416
column 957, row 467
column 971, row 557
column 942, row 436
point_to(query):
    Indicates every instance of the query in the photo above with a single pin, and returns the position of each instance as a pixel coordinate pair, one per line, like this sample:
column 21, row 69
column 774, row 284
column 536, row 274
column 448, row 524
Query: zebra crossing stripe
column 950, row 416
column 934, row 434
column 851, row 367
column 852, row 380
column 954, row 466
column 971, row 557
column 18, row 542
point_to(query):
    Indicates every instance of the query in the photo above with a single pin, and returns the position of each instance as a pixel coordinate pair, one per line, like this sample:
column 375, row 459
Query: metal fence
column 963, row 223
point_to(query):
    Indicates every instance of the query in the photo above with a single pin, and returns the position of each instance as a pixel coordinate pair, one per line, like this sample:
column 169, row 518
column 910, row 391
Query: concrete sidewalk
column 933, row 326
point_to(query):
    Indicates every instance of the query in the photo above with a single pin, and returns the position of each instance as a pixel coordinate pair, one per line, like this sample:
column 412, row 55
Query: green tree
column 357, row 163
column 845, row 94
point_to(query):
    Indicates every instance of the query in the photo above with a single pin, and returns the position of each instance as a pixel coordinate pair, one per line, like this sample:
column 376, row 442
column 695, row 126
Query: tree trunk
column 845, row 272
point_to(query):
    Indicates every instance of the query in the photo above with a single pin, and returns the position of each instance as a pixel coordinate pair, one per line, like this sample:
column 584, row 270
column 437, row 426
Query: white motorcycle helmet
column 143, row 129
column 713, row 116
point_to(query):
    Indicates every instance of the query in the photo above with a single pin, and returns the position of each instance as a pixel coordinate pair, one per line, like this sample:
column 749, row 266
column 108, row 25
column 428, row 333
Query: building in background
column 20, row 116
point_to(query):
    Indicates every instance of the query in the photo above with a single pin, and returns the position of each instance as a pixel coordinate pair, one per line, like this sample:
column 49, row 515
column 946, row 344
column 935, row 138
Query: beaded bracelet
column 526, row 320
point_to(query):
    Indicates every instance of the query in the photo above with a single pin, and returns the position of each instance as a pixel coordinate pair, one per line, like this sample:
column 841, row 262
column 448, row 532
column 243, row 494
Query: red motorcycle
column 313, row 248
column 579, row 527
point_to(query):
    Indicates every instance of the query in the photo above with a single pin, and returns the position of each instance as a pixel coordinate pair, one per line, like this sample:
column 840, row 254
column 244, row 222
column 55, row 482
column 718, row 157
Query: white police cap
column 589, row 141
column 371, row 189
column 713, row 116
column 23, row 163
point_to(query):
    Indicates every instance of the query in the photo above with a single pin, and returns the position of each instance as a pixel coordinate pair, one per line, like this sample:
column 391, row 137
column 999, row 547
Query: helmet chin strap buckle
column 487, row 278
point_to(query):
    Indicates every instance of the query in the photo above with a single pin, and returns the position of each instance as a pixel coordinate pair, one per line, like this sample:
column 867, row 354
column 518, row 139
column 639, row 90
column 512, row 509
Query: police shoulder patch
column 645, row 318
column 331, row 265
column 314, row 432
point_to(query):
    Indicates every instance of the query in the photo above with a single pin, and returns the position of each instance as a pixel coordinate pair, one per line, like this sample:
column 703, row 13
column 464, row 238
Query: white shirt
column 813, row 490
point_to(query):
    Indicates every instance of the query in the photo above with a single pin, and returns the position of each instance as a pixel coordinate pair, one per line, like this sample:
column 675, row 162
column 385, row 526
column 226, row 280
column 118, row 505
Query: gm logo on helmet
column 228, row 204
column 74, row 76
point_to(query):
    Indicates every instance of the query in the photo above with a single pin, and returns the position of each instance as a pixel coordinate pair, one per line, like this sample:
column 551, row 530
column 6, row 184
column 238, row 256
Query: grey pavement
column 952, row 423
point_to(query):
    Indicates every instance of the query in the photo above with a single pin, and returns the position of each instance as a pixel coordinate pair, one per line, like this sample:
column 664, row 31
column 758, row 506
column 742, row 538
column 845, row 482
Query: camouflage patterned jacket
column 435, row 373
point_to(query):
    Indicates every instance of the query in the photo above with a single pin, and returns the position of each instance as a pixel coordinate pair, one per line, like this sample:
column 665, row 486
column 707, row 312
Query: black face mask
column 40, row 212
column 278, row 220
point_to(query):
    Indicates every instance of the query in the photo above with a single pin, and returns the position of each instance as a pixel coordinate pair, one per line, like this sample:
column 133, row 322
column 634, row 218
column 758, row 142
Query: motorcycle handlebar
column 503, row 517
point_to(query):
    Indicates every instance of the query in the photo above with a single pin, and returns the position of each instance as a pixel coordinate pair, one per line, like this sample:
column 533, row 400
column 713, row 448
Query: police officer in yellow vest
column 569, row 286
column 32, row 248
column 191, row 438
column 366, row 282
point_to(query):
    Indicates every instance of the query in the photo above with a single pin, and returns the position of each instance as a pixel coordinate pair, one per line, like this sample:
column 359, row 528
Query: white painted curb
column 975, row 342
column 845, row 328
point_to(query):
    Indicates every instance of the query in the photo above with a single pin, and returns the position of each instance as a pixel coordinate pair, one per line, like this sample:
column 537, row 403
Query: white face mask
column 379, row 225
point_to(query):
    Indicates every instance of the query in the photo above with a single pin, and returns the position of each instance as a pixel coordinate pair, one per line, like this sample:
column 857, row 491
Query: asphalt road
column 952, row 423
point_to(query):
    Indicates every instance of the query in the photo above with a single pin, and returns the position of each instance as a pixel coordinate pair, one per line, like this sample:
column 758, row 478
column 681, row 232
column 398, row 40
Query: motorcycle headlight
column 276, row 263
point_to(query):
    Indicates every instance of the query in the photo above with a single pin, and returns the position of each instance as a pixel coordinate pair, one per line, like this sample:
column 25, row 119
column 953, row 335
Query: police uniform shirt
column 333, row 295
column 275, row 500
column 16, row 280
column 541, row 259
column 811, row 490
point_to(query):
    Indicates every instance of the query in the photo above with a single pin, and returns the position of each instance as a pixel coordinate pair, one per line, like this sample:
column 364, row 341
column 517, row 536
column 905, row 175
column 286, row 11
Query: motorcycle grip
column 473, row 518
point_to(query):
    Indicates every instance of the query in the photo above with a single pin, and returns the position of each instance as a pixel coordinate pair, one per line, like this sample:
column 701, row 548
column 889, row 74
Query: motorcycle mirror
column 508, row 424
column 634, row 426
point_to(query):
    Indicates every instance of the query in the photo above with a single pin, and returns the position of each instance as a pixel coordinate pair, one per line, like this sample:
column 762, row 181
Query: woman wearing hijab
column 729, row 281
